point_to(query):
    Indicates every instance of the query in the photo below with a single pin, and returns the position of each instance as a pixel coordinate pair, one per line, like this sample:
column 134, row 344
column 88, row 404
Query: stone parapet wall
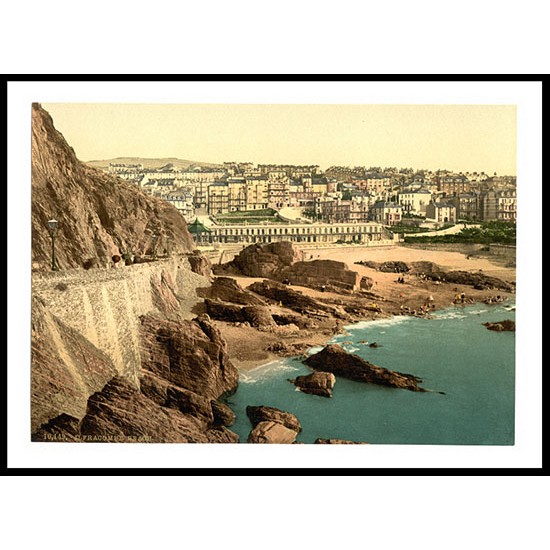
column 104, row 305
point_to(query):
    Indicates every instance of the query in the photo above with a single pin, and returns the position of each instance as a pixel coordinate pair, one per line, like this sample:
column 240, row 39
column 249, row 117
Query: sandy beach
column 247, row 346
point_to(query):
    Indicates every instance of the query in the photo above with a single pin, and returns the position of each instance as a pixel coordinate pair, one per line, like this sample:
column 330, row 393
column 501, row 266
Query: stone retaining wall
column 104, row 305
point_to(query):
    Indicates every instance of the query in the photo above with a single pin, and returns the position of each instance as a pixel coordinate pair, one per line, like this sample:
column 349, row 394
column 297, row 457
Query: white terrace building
column 300, row 233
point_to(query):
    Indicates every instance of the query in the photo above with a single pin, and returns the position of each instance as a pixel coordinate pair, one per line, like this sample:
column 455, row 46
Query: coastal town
column 240, row 202
column 173, row 299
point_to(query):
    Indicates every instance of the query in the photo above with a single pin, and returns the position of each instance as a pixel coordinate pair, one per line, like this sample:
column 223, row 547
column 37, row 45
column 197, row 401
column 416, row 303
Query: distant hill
column 152, row 163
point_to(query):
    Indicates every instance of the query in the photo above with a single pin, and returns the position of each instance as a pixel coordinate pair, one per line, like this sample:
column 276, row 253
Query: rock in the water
column 320, row 441
column 271, row 432
column 271, row 414
column 317, row 383
column 333, row 358
column 500, row 326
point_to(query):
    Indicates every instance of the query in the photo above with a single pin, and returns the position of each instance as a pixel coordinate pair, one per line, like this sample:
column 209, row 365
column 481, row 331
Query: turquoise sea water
column 453, row 353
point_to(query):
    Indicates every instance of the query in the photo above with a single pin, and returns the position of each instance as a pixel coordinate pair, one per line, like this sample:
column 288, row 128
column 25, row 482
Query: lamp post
column 52, row 228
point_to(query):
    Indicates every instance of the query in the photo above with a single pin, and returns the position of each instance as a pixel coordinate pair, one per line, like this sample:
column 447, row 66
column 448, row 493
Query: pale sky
column 455, row 137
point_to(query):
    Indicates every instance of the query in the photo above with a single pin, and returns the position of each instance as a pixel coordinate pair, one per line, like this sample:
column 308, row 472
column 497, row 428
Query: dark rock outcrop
column 330, row 274
column 478, row 280
column 261, row 260
column 301, row 321
column 316, row 383
column 122, row 413
column 500, row 326
column 200, row 264
column 333, row 358
column 222, row 311
column 295, row 300
column 286, row 350
column 188, row 354
column 99, row 214
column 173, row 397
column 386, row 267
column 223, row 414
column 226, row 289
column 393, row 267
column 366, row 283
column 271, row 414
column 256, row 316
column 271, row 432
column 259, row 316
column 63, row 428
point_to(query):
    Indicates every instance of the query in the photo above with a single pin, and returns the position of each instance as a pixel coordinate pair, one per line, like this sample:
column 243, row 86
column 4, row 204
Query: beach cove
column 452, row 353
column 448, row 348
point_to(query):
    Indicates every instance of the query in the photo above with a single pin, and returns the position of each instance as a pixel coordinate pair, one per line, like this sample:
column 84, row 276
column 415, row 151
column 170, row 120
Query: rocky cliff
column 99, row 215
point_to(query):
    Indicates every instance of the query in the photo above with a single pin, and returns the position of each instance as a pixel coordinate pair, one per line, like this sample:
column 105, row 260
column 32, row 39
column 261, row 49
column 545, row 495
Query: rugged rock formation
column 317, row 383
column 333, row 358
column 223, row 415
column 287, row 350
column 99, row 215
column 271, row 432
column 499, row 326
column 478, row 280
column 295, row 300
column 271, row 414
column 226, row 289
column 66, row 368
column 188, row 354
column 428, row 268
column 200, row 263
column 158, row 412
column 256, row 316
column 270, row 425
column 330, row 274
column 393, row 267
column 62, row 428
column 386, row 267
column 261, row 260
column 301, row 321
column 366, row 283
column 163, row 292
column 338, row 442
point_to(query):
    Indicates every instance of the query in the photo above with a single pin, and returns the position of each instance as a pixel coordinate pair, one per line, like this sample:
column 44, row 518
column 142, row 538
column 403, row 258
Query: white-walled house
column 415, row 202
column 441, row 212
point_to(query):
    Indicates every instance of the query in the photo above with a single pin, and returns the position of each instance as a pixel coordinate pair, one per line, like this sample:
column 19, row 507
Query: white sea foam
column 450, row 315
column 351, row 349
column 389, row 322
column 267, row 369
